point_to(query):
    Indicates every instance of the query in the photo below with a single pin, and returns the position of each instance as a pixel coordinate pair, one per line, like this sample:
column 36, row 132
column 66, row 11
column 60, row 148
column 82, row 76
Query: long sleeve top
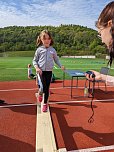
column 44, row 58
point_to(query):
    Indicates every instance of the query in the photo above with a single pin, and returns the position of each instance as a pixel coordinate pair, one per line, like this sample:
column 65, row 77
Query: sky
column 50, row 12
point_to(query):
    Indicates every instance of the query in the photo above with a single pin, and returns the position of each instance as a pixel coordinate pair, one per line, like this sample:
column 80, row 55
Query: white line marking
column 68, row 102
column 15, row 68
column 18, row 105
column 79, row 68
column 79, row 101
column 18, row 89
column 94, row 149
column 80, row 87
column 24, row 89
column 81, row 64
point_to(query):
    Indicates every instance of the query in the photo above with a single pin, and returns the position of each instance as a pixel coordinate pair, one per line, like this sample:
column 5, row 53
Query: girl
column 43, row 62
column 30, row 74
column 105, row 25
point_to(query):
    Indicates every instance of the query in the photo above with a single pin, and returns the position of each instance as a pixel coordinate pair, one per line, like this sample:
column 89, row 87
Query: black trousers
column 46, row 80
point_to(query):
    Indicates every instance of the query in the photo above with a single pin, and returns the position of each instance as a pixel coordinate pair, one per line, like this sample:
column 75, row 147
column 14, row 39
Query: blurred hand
column 89, row 77
column 62, row 67
column 38, row 70
column 98, row 76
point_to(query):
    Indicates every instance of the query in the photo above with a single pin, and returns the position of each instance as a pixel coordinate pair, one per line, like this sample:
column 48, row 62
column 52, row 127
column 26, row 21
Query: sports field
column 15, row 68
column 66, row 119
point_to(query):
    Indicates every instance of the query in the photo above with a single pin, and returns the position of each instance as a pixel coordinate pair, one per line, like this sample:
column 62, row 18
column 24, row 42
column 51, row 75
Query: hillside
column 69, row 39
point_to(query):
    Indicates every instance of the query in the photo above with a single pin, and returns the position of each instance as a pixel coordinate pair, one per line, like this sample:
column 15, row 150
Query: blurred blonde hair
column 29, row 65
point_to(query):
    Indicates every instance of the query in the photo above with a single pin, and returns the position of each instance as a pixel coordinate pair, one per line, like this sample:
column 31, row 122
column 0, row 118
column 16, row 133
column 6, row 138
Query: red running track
column 18, row 124
column 70, row 120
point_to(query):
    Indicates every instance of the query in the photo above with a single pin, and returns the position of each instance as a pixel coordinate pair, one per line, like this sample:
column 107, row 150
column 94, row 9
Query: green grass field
column 15, row 68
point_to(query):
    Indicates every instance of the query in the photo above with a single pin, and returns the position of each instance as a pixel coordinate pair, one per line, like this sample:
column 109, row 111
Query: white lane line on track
column 18, row 89
column 81, row 101
column 24, row 89
column 15, row 68
column 111, row 147
column 17, row 105
column 68, row 102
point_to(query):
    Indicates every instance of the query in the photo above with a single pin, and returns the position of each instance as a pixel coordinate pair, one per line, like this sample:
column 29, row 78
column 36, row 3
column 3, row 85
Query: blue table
column 72, row 74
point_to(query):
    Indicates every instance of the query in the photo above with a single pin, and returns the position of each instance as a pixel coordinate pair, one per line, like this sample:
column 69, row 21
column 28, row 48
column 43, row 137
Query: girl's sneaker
column 45, row 107
column 40, row 98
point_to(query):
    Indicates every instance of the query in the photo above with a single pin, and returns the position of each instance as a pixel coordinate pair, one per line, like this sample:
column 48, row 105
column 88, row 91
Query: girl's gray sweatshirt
column 44, row 58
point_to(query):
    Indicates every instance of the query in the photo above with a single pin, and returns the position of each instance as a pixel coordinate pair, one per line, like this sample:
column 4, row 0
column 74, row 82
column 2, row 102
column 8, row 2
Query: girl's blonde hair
column 42, row 34
column 29, row 65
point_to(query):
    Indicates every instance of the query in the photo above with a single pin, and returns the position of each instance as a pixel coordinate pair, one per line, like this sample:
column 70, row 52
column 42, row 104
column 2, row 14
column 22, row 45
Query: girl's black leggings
column 46, row 80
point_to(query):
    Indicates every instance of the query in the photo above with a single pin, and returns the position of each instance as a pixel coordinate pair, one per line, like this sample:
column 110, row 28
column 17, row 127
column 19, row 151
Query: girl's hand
column 62, row 67
column 38, row 71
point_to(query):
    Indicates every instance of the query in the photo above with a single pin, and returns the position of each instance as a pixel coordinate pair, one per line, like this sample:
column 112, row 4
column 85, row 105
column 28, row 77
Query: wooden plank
column 39, row 133
column 49, row 144
column 45, row 140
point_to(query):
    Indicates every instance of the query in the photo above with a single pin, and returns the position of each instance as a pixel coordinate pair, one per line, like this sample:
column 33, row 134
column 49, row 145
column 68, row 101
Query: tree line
column 68, row 39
